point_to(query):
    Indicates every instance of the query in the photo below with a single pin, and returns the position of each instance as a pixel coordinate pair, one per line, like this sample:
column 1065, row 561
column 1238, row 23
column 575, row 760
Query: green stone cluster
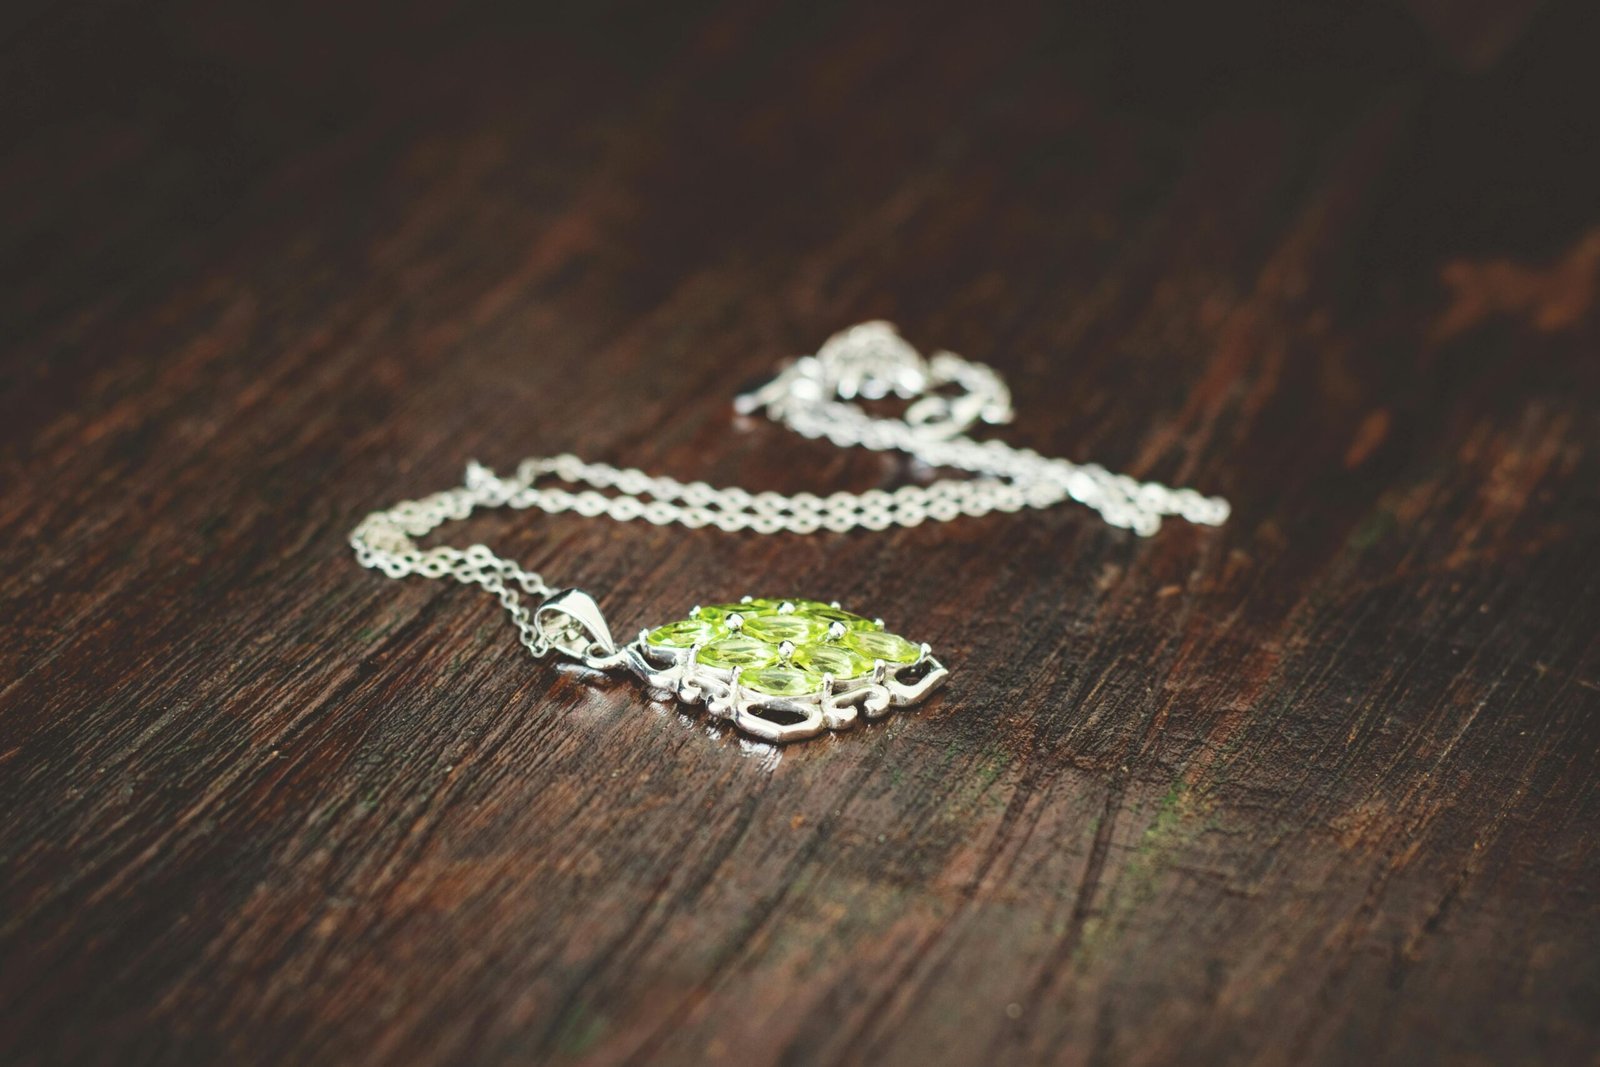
column 784, row 647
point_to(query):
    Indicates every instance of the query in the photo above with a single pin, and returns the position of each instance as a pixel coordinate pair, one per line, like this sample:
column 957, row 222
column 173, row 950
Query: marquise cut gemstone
column 684, row 633
column 836, row 660
column 717, row 614
column 880, row 644
column 776, row 629
column 737, row 650
column 851, row 621
column 782, row 681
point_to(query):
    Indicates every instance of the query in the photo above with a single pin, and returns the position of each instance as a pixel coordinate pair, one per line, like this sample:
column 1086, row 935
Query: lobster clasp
column 571, row 623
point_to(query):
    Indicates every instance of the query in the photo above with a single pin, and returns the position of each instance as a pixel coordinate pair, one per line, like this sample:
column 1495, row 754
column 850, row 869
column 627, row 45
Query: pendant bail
column 571, row 623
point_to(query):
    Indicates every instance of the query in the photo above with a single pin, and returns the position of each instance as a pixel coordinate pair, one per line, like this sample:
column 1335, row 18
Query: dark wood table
column 1317, row 787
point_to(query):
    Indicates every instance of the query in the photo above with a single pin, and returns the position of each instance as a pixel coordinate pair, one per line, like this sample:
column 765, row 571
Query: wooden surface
column 1316, row 788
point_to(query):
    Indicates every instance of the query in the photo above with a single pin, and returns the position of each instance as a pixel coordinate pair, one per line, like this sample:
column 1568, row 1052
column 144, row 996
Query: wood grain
column 1316, row 788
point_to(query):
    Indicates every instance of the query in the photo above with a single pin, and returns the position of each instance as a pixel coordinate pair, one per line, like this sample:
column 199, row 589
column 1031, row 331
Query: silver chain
column 814, row 396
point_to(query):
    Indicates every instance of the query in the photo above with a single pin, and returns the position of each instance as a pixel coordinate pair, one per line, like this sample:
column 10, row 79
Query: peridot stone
column 737, row 650
column 682, row 634
column 787, row 605
column 827, row 614
column 776, row 629
column 718, row 613
column 880, row 644
column 764, row 605
column 781, row 681
column 836, row 660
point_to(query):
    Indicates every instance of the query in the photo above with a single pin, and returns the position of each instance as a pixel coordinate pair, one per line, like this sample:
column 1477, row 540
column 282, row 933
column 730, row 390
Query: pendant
column 778, row 669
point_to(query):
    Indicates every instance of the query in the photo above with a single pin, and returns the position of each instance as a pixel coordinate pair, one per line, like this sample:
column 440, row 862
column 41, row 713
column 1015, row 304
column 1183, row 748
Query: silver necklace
column 780, row 669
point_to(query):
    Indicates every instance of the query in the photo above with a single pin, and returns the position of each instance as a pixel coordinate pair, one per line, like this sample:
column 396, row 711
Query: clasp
column 948, row 395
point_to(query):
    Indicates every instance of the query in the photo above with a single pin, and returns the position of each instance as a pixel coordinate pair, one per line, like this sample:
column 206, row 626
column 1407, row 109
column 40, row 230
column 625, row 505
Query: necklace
column 780, row 669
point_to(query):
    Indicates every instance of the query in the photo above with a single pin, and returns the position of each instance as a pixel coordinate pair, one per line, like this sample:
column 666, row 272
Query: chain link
column 814, row 396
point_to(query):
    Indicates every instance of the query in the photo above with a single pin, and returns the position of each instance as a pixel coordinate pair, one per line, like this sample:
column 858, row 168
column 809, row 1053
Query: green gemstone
column 773, row 605
column 737, row 650
column 781, row 681
column 815, row 609
column 682, row 634
column 718, row 613
column 880, row 644
column 810, row 607
column 836, row 660
column 851, row 621
column 776, row 629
